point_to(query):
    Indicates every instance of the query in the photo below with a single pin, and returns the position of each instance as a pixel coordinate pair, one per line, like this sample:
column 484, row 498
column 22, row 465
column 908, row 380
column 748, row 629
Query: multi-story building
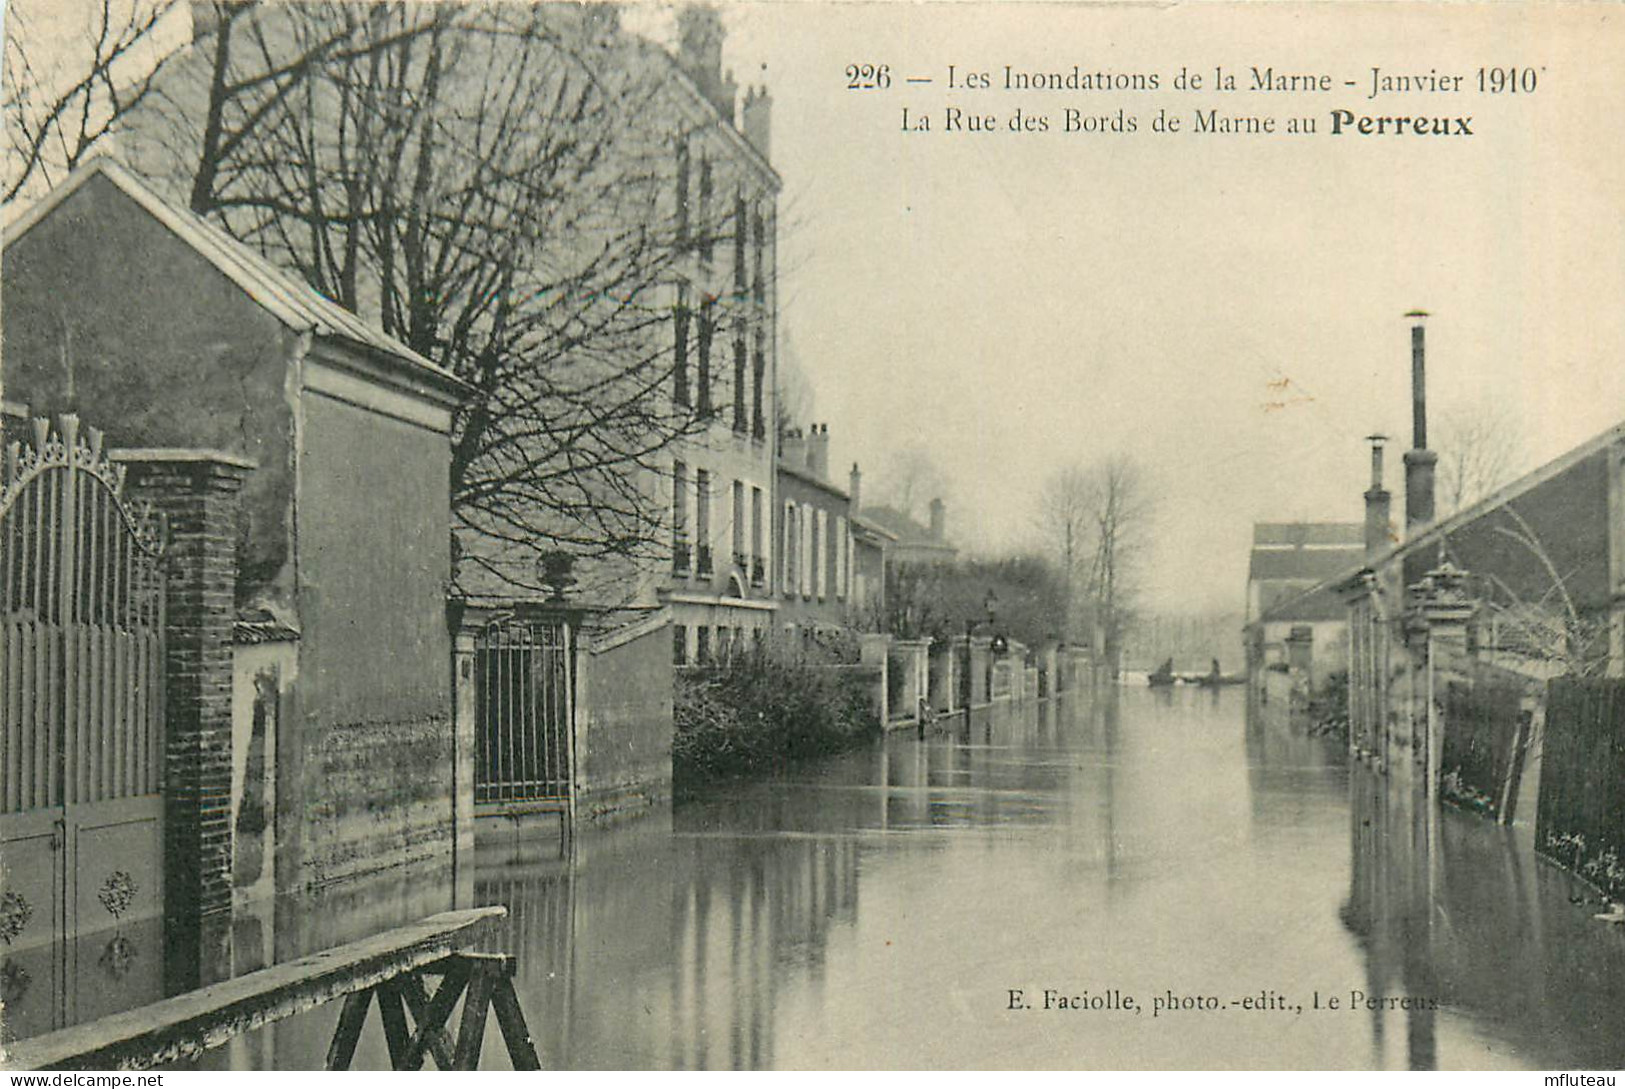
column 813, row 525
column 719, row 583
column 670, row 514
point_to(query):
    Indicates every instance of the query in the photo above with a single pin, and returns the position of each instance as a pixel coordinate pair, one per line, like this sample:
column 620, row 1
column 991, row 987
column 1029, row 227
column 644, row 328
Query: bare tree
column 1066, row 523
column 493, row 184
column 1480, row 448
column 1120, row 509
column 910, row 480
column 68, row 82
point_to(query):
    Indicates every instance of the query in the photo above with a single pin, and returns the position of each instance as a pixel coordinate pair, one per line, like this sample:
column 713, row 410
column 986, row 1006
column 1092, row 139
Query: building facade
column 338, row 560
column 719, row 584
column 812, row 523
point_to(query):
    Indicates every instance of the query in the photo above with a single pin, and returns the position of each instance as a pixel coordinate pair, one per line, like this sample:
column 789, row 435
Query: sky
column 1226, row 309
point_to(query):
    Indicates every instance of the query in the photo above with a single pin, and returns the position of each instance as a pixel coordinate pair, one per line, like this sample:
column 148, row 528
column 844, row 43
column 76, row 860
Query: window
column 818, row 555
column 842, row 555
column 759, row 286
column 679, row 518
column 702, row 652
column 805, row 560
column 679, row 368
column 741, row 228
column 759, row 418
column 758, row 562
column 790, row 549
column 707, row 327
column 741, row 560
column 741, row 421
column 679, row 644
column 682, row 193
column 702, row 520
column 706, row 233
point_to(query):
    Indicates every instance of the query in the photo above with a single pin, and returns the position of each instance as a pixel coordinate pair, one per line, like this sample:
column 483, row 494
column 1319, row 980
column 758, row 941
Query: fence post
column 1445, row 608
column 462, row 774
column 198, row 493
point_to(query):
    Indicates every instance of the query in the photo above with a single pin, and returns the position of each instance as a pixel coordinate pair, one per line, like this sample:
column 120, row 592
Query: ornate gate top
column 81, row 450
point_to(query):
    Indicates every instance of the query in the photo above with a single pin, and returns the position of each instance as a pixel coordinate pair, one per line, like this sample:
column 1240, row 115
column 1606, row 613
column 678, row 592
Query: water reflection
column 877, row 908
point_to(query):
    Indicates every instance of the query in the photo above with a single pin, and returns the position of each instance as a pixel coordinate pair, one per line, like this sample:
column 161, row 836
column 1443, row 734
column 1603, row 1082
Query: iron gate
column 522, row 701
column 81, row 716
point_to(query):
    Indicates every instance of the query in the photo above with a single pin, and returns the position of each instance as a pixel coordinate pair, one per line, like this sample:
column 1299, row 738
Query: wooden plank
column 189, row 1024
column 515, row 1033
column 393, row 1014
column 430, row 1015
column 351, row 1019
column 471, row 1031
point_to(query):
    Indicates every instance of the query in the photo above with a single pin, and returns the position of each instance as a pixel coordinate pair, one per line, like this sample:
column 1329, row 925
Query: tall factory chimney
column 1419, row 460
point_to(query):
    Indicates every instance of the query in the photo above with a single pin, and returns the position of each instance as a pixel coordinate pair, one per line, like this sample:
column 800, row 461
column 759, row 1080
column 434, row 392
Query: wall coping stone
column 183, row 456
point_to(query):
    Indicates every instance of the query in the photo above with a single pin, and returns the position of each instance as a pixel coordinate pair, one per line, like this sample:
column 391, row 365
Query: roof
column 297, row 305
column 905, row 531
column 875, row 529
column 807, row 476
column 1318, row 602
column 1302, row 564
column 1298, row 534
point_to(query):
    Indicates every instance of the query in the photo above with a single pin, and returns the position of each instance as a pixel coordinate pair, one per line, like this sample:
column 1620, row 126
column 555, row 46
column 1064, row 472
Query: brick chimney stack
column 793, row 448
column 756, row 119
column 939, row 520
column 854, row 488
column 1378, row 505
column 699, row 52
column 818, row 451
column 1419, row 460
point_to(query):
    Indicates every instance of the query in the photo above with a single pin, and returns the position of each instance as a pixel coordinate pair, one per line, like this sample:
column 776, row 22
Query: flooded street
column 1152, row 849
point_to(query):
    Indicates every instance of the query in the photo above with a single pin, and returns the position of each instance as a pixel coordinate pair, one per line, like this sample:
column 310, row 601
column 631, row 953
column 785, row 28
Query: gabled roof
column 1299, row 534
column 807, row 476
column 1302, row 564
column 904, row 529
column 292, row 302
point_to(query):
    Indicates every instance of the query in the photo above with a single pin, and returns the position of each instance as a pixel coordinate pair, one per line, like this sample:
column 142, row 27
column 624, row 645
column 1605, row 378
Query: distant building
column 1289, row 560
column 913, row 542
column 813, row 525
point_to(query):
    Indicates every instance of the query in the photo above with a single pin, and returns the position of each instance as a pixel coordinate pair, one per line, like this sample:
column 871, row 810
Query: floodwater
column 1180, row 882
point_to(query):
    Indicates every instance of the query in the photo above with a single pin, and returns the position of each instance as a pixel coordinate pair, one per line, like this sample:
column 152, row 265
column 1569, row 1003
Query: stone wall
column 624, row 720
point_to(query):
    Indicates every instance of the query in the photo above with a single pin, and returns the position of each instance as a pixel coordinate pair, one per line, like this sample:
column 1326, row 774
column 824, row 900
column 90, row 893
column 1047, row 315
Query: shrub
column 760, row 710
column 1329, row 709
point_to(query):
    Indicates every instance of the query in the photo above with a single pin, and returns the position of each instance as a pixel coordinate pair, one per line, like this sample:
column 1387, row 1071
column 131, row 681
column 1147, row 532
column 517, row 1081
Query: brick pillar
column 198, row 493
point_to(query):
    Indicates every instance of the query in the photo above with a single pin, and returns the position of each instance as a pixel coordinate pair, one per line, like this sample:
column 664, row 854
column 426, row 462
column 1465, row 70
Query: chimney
column 854, row 488
column 939, row 520
column 1419, row 460
column 756, row 119
column 699, row 52
column 818, row 451
column 1377, row 505
column 793, row 448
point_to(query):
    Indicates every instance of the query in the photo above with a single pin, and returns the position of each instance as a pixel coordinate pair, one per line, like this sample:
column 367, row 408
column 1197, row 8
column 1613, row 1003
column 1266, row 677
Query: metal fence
column 522, row 741
column 81, row 628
